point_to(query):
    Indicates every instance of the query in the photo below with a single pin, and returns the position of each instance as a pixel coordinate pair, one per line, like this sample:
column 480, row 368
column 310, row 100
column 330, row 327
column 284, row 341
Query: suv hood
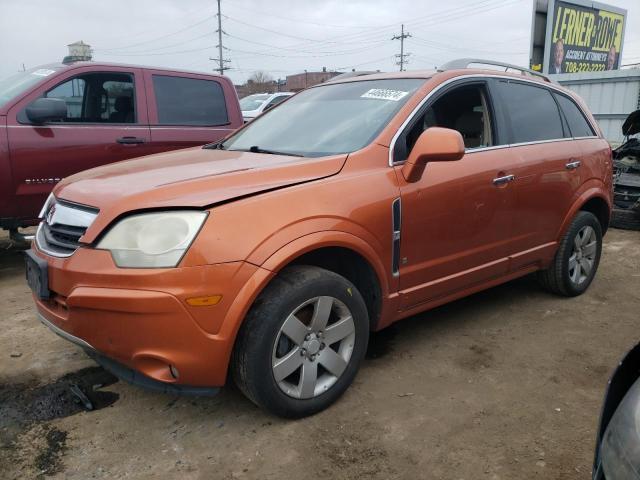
column 631, row 125
column 194, row 177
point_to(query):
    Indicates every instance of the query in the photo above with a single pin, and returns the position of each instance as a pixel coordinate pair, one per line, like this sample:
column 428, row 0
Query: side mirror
column 435, row 144
column 46, row 109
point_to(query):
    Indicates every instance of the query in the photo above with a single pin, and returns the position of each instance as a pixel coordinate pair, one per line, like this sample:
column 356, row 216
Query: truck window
column 98, row 98
column 532, row 110
column 189, row 101
column 575, row 118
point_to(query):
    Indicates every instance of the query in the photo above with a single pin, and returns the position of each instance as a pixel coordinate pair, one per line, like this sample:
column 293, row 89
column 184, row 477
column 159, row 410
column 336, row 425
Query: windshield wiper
column 257, row 149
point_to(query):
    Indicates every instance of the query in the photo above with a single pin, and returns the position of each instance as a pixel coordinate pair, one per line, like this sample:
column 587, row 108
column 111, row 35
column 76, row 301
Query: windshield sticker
column 43, row 72
column 384, row 94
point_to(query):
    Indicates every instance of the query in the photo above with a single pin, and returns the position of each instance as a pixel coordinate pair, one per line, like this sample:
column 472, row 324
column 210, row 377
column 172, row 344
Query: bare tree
column 260, row 82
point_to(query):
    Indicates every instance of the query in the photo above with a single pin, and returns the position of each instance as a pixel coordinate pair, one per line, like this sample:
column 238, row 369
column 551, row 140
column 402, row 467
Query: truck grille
column 62, row 226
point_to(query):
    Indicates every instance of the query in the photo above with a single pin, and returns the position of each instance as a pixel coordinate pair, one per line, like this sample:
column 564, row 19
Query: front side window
column 189, row 101
column 98, row 98
column 329, row 119
column 578, row 125
column 464, row 109
column 532, row 111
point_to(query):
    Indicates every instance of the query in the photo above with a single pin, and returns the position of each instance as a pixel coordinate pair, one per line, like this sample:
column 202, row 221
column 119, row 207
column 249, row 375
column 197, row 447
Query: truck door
column 187, row 109
column 106, row 122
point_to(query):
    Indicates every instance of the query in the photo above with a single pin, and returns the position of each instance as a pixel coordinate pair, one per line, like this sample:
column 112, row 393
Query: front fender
column 313, row 241
column 280, row 259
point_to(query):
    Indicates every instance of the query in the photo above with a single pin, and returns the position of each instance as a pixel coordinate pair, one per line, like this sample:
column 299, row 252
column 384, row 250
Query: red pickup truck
column 59, row 119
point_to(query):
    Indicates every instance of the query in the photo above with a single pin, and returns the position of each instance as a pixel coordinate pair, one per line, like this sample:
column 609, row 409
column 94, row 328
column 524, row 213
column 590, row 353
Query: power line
column 402, row 58
column 360, row 41
column 188, row 27
column 297, row 20
column 155, row 49
column 310, row 53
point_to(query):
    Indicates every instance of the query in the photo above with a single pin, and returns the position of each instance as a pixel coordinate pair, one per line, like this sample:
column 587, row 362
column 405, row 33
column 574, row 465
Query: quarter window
column 532, row 111
column 189, row 101
column 577, row 123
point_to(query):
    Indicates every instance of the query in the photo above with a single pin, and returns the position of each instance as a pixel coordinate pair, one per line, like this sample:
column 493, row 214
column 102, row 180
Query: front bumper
column 128, row 374
column 139, row 318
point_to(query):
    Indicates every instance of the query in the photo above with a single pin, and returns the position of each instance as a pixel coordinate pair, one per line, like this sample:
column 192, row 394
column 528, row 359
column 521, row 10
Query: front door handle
column 503, row 180
column 130, row 140
column 573, row 165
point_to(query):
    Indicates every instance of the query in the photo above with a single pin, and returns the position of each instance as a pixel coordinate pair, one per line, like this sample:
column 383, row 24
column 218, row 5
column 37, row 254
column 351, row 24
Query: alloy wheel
column 583, row 255
column 313, row 347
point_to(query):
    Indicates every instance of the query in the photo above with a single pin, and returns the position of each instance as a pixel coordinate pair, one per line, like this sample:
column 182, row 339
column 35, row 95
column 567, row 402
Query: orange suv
column 271, row 255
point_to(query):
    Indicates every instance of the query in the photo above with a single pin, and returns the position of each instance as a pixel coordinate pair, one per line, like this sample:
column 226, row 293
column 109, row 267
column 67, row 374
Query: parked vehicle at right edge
column 62, row 118
column 271, row 255
column 617, row 452
column 626, row 176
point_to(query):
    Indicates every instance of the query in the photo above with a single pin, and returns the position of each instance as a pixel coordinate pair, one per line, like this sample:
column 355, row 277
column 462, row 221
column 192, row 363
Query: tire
column 560, row 278
column 625, row 218
column 264, row 354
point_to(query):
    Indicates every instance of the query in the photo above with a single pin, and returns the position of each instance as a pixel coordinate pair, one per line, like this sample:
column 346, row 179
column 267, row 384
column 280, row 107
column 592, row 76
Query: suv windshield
column 253, row 102
column 327, row 120
column 15, row 85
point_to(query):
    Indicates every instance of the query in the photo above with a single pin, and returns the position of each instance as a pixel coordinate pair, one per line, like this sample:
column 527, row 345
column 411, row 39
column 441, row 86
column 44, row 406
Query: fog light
column 174, row 371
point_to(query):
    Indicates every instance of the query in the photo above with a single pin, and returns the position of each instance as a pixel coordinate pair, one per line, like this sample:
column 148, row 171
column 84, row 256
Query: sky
column 280, row 37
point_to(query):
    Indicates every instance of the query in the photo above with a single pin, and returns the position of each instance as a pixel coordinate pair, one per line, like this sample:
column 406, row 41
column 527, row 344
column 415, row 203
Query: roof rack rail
column 462, row 63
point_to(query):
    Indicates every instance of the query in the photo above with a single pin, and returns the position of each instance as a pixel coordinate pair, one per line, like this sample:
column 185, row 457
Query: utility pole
column 402, row 57
column 221, row 61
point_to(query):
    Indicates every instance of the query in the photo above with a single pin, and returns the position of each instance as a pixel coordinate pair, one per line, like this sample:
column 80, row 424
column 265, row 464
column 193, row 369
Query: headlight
column 152, row 240
column 620, row 447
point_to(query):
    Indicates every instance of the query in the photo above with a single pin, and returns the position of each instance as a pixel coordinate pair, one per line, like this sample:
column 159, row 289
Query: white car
column 255, row 104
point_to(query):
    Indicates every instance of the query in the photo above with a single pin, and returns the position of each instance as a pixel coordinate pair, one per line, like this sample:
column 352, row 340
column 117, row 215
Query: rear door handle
column 503, row 180
column 130, row 140
column 573, row 165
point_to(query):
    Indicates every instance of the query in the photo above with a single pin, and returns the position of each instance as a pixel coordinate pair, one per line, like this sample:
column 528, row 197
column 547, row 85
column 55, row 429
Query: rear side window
column 189, row 101
column 575, row 118
column 532, row 111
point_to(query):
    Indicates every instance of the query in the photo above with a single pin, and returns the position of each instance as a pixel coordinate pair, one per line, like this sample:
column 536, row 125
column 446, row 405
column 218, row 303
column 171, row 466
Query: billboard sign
column 580, row 36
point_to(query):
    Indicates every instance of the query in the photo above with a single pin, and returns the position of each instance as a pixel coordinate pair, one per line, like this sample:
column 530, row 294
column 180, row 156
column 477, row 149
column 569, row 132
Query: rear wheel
column 577, row 259
column 302, row 343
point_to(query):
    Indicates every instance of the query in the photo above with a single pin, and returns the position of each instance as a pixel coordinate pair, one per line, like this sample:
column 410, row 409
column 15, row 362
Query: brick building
column 300, row 81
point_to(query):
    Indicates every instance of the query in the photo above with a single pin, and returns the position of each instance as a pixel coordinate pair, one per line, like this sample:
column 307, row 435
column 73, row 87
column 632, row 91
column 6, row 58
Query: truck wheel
column 625, row 218
column 576, row 261
column 302, row 342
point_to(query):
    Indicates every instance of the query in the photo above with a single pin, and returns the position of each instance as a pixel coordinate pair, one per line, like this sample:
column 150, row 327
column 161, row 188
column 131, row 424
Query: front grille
column 63, row 237
column 62, row 226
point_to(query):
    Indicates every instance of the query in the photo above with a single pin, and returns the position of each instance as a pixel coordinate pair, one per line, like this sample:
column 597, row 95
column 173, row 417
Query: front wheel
column 577, row 259
column 302, row 343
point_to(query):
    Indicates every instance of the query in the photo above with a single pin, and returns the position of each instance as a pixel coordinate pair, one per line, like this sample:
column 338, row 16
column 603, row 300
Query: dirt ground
column 506, row 384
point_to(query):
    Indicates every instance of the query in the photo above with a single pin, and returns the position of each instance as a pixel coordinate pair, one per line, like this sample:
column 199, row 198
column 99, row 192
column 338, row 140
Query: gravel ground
column 505, row 384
